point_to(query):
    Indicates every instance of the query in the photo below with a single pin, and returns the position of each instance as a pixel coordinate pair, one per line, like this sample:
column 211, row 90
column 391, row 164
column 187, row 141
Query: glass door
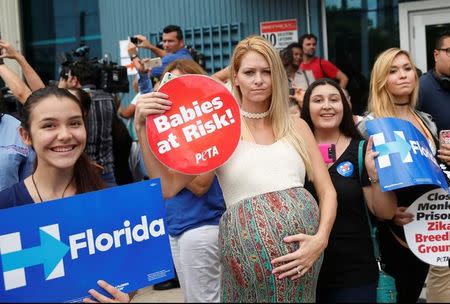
column 426, row 27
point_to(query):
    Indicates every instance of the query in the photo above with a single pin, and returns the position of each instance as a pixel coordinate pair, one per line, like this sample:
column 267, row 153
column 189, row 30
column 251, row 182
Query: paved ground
column 148, row 295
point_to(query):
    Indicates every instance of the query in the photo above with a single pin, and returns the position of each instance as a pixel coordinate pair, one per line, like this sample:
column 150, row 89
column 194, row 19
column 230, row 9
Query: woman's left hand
column 117, row 295
column 369, row 160
column 297, row 263
column 298, row 96
column 444, row 153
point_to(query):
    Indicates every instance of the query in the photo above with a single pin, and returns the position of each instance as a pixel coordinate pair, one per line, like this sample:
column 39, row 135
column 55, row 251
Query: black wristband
column 1, row 61
column 134, row 56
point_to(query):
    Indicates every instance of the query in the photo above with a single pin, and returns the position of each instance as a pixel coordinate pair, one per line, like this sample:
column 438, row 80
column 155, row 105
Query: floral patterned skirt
column 251, row 235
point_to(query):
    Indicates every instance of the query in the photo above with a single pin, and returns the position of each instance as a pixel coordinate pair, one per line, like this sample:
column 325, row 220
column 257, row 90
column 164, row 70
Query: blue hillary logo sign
column 56, row 251
column 49, row 253
column 405, row 158
column 399, row 145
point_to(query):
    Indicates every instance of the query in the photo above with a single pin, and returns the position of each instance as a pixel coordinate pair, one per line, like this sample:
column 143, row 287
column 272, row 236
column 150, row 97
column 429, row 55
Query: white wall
column 10, row 28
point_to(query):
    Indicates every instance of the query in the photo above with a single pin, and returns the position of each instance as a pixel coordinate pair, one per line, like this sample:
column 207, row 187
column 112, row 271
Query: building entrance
column 421, row 23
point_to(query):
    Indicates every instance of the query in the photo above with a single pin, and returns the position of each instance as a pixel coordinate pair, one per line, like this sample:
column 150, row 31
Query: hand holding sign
column 370, row 160
column 117, row 295
column 444, row 153
column 405, row 158
column 402, row 217
column 152, row 103
column 65, row 245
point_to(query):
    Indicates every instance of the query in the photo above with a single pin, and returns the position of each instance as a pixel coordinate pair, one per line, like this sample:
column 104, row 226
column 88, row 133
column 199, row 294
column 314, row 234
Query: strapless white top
column 255, row 169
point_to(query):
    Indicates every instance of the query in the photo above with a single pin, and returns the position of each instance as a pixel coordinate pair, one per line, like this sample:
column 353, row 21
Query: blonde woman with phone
column 394, row 87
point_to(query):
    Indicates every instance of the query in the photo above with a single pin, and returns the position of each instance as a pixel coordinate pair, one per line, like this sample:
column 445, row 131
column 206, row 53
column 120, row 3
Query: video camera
column 110, row 77
column 197, row 56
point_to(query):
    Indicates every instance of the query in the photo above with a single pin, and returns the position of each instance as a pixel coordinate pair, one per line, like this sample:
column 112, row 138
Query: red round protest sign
column 201, row 130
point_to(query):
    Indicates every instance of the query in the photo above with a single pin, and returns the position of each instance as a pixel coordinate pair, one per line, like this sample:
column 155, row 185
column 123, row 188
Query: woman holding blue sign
column 271, row 237
column 349, row 271
column 394, row 90
column 53, row 124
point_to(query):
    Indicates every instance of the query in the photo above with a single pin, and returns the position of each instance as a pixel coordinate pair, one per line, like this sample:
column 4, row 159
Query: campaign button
column 345, row 169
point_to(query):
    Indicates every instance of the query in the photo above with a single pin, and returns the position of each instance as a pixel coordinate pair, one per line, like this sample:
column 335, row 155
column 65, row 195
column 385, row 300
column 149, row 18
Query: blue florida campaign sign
column 405, row 158
column 56, row 251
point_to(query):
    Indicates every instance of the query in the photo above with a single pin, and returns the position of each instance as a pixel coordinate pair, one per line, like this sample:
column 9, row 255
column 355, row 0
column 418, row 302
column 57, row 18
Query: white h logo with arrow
column 50, row 253
column 400, row 145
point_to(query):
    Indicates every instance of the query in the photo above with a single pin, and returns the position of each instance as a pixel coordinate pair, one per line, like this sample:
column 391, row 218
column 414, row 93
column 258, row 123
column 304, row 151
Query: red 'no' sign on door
column 201, row 130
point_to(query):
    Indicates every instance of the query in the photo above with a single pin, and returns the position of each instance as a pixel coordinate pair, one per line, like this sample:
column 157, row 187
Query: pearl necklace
column 255, row 115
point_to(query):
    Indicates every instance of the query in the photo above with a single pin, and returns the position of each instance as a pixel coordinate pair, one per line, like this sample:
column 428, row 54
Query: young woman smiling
column 53, row 124
column 349, row 271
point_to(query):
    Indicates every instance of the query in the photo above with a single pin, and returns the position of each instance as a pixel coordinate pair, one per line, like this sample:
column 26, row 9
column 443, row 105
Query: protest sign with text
column 279, row 33
column 428, row 236
column 201, row 130
column 56, row 251
column 405, row 158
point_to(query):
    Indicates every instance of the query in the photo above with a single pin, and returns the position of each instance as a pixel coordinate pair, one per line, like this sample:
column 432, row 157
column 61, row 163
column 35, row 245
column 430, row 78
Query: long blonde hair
column 282, row 122
column 381, row 101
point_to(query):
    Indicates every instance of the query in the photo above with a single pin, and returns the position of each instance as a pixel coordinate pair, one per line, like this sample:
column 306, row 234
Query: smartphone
column 150, row 63
column 444, row 137
column 328, row 152
column 134, row 40
column 167, row 77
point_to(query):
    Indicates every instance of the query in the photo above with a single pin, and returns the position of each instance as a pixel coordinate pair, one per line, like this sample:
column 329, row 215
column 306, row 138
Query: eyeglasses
column 447, row 51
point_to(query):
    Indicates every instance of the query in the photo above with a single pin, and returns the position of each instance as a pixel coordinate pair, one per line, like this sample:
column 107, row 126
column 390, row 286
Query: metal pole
column 324, row 29
column 308, row 22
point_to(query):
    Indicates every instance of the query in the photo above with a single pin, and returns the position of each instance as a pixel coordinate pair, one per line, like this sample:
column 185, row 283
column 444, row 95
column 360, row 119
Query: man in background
column 320, row 67
column 99, row 146
column 434, row 99
column 173, row 48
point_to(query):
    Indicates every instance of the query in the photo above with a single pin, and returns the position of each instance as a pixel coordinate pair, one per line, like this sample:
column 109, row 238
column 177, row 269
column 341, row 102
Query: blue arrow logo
column 398, row 146
column 50, row 253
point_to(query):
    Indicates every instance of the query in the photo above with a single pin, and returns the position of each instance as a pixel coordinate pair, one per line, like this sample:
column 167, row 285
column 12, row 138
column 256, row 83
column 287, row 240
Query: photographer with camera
column 143, row 85
column 99, row 146
column 173, row 48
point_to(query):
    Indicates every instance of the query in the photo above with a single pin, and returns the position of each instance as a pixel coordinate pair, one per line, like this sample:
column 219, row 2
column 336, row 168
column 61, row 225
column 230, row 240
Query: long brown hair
column 85, row 175
column 347, row 126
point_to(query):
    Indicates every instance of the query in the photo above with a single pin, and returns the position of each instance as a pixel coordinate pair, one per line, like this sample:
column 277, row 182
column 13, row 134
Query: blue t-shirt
column 144, row 83
column 187, row 211
column 16, row 195
column 16, row 158
column 434, row 100
column 180, row 54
